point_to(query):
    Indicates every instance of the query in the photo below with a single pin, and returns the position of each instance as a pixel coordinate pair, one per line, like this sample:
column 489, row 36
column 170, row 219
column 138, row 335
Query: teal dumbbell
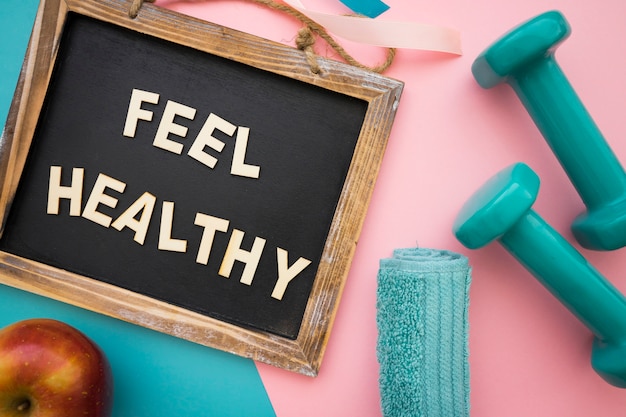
column 501, row 210
column 524, row 58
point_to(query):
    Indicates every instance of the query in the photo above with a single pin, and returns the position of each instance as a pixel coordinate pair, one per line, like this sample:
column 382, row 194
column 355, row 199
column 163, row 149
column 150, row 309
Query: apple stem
column 23, row 406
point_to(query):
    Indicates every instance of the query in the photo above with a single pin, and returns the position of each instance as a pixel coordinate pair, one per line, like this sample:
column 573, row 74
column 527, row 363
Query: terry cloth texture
column 422, row 319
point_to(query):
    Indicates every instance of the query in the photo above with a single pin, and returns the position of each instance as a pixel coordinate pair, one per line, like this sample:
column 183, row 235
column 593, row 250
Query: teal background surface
column 155, row 374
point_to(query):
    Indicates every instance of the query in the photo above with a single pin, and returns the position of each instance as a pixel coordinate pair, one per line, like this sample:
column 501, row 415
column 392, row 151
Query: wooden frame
column 302, row 355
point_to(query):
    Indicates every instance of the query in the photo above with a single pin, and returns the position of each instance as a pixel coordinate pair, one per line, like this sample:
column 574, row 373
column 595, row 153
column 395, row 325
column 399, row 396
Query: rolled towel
column 422, row 320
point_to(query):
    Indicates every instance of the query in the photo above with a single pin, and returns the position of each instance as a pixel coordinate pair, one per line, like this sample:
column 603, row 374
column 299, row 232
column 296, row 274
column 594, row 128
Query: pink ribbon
column 386, row 33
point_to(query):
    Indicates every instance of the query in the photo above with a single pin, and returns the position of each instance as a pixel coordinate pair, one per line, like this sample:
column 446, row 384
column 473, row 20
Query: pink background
column 528, row 355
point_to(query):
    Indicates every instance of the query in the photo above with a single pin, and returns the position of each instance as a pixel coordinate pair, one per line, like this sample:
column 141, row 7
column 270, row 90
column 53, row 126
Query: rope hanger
column 306, row 36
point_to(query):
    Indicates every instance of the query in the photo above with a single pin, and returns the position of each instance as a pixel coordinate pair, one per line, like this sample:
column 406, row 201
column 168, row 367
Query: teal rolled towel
column 422, row 347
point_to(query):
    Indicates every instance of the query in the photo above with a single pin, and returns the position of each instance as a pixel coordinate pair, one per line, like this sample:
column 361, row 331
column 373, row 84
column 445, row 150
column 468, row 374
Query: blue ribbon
column 369, row 8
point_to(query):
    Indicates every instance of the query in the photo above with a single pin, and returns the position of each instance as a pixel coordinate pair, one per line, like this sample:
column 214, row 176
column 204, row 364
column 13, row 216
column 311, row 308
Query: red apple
column 50, row 369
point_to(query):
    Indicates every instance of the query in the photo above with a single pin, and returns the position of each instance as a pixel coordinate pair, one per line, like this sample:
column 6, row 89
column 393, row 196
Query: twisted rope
column 306, row 36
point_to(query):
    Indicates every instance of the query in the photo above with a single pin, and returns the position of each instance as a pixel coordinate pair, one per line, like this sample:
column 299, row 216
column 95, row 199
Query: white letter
column 136, row 113
column 239, row 167
column 165, row 232
column 145, row 205
column 205, row 138
column 167, row 126
column 98, row 196
column 235, row 253
column 211, row 225
column 74, row 192
column 285, row 272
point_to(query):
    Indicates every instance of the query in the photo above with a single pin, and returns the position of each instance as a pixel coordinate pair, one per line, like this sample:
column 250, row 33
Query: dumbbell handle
column 568, row 276
column 570, row 131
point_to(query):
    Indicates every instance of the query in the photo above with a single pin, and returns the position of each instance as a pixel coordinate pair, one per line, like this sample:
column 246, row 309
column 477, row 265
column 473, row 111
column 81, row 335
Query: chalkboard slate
column 301, row 138
column 208, row 183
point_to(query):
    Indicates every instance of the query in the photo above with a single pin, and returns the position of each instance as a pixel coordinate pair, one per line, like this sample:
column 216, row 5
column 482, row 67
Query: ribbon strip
column 385, row 33
column 369, row 8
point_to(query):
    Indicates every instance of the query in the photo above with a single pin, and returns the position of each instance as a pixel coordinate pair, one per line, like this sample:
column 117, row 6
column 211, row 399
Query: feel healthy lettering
column 138, row 215
column 203, row 141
